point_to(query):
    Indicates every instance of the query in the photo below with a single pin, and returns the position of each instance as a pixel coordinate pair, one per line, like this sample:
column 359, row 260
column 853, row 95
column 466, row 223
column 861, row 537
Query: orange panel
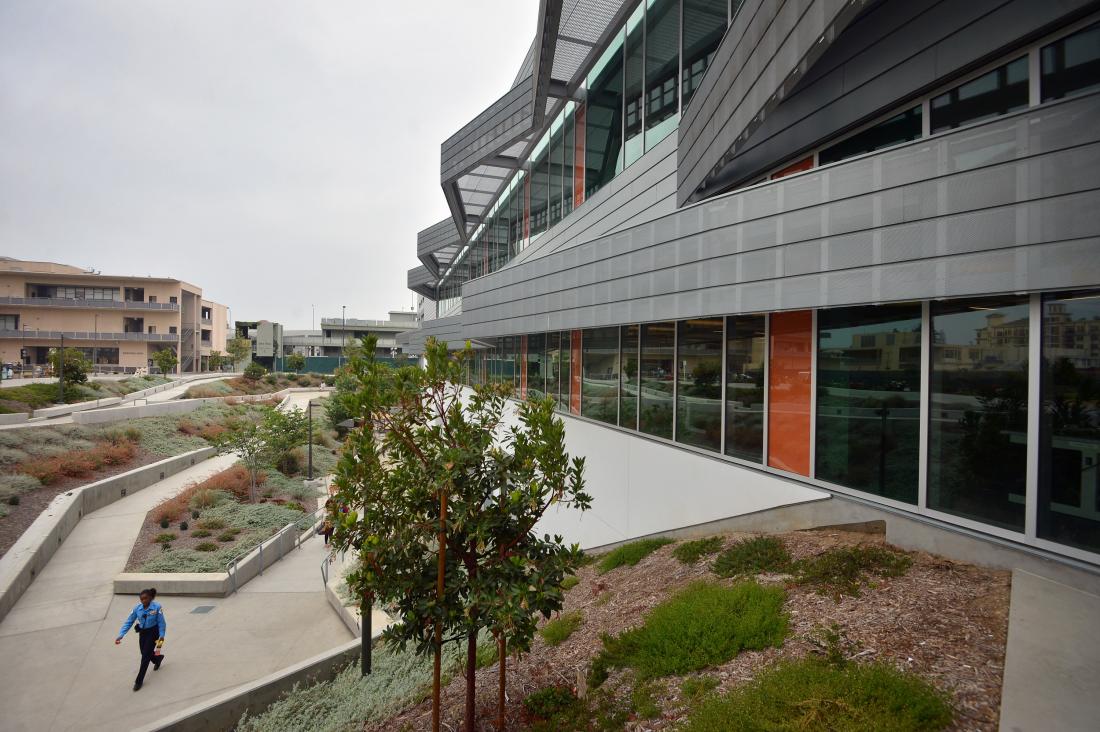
column 578, row 157
column 804, row 164
column 523, row 367
column 575, row 372
column 789, row 361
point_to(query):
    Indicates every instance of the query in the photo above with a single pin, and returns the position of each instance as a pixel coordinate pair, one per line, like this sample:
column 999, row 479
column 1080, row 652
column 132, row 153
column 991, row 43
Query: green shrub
column 630, row 554
column 3, row 511
column 200, row 533
column 809, row 696
column 570, row 582
column 691, row 552
column 183, row 526
column 166, row 537
column 254, row 371
column 549, row 702
column 208, row 498
column 750, row 556
column 211, row 523
column 841, row 571
column 206, row 546
column 556, row 631
column 13, row 485
column 164, row 522
column 695, row 687
column 226, row 536
column 644, row 701
column 702, row 625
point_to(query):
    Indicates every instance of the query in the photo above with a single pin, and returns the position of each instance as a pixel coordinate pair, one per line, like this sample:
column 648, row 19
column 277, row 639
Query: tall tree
column 238, row 349
column 444, row 495
column 166, row 360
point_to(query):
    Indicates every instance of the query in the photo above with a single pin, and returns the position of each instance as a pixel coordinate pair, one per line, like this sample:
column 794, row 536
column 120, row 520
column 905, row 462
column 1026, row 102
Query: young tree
column 215, row 360
column 254, row 371
column 239, row 349
column 76, row 367
column 444, row 501
column 166, row 360
column 283, row 431
column 248, row 444
column 295, row 362
column 266, row 443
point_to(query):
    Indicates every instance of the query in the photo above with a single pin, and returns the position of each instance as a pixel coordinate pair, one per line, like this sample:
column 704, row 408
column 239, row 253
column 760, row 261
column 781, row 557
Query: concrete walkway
column 62, row 670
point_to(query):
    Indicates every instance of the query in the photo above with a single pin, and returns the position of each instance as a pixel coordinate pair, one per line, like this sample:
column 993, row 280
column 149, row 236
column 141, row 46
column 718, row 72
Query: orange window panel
column 804, row 164
column 578, row 157
column 789, row 361
column 575, row 372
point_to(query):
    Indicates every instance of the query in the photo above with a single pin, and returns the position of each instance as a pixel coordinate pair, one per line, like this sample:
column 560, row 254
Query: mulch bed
column 33, row 503
column 946, row 621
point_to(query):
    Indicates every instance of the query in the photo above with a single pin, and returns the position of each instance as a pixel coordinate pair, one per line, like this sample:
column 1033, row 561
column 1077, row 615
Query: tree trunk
column 502, row 658
column 437, row 674
column 471, row 671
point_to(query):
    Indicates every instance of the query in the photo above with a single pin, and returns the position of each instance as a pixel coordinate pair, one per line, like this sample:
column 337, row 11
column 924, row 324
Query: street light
column 309, row 412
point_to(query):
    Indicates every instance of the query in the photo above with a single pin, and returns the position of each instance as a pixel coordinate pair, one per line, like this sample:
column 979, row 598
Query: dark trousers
column 147, row 642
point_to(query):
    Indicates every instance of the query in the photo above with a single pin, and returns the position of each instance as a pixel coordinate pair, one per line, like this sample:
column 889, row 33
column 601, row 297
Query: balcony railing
column 72, row 302
column 87, row 335
column 207, row 321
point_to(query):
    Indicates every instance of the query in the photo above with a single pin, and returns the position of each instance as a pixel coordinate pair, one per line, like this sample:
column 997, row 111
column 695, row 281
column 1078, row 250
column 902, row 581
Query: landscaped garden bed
column 807, row 630
column 244, row 386
column 29, row 397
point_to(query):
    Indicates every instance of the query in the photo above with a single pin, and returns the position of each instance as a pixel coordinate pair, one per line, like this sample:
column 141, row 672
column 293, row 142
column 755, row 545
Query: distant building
column 118, row 322
column 269, row 339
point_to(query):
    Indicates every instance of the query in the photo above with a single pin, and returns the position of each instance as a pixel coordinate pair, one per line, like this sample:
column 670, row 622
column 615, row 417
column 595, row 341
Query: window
column 803, row 164
column 172, row 329
column 1071, row 64
column 633, row 84
column 603, row 134
column 1069, row 437
column 662, row 69
column 600, row 380
column 173, row 299
column 553, row 364
column 1002, row 90
column 152, row 298
column 894, row 131
column 699, row 383
column 977, row 431
column 9, row 322
column 540, row 185
column 152, row 330
column 746, row 350
column 628, row 391
column 789, row 362
column 536, row 347
column 557, row 160
column 704, row 25
column 564, row 375
column 657, row 365
column 868, row 399
column 569, row 142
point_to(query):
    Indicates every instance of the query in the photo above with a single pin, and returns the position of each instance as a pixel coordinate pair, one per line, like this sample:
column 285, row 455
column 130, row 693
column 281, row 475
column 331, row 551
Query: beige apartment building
column 118, row 322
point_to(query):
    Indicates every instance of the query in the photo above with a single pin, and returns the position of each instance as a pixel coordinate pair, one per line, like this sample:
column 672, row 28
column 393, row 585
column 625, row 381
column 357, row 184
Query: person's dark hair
column 153, row 592
column 145, row 592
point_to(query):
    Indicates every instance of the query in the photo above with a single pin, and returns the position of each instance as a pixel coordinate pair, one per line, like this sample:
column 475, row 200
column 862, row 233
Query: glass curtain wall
column 868, row 399
column 603, row 133
column 634, row 84
column 704, row 25
column 662, row 69
column 564, row 380
column 517, row 193
column 569, row 142
column 657, row 373
column 746, row 350
column 1071, row 65
column 898, row 129
column 540, row 186
column 628, row 390
column 1002, row 90
column 557, row 163
column 553, row 365
column 536, row 355
column 977, row 432
column 600, row 377
column 699, row 383
column 1069, row 439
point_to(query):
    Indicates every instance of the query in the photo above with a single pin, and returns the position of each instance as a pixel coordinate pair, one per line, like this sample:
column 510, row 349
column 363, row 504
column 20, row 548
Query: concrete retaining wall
column 177, row 406
column 16, row 418
column 37, row 545
column 63, row 409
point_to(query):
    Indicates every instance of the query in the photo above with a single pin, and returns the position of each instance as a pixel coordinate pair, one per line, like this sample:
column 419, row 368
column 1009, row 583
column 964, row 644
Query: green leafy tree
column 215, row 360
column 295, row 362
column 247, row 442
column 165, row 360
column 266, row 443
column 254, row 371
column 75, row 366
column 443, row 500
column 239, row 349
column 283, row 431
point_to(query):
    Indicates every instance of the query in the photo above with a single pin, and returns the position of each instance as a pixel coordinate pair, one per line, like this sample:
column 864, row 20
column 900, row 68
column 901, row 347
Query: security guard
column 149, row 616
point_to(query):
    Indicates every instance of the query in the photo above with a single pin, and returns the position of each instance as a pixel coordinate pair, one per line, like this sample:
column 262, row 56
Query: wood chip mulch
column 944, row 620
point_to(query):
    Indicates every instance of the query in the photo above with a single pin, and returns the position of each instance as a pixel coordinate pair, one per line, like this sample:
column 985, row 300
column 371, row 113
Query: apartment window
column 1071, row 65
column 9, row 322
column 977, row 431
column 172, row 330
column 746, row 350
column 657, row 371
column 633, row 85
column 152, row 298
column 699, row 383
column 536, row 355
column 662, row 69
column 603, row 135
column 704, row 24
column 600, row 379
column 152, row 330
column 628, row 390
column 868, row 399
column 1069, row 438
column 1000, row 91
column 173, row 299
column 894, row 131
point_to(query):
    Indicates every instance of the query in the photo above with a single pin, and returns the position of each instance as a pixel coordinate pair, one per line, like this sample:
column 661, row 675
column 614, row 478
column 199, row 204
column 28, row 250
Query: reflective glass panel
column 568, row 153
column 564, row 379
column 977, row 431
column 745, row 353
column 699, row 387
column 536, row 355
column 704, row 24
column 634, row 84
column 662, row 68
column 553, row 364
column 868, row 399
column 1071, row 65
column 1002, row 90
column 540, row 189
column 600, row 389
column 628, row 393
column 603, row 136
column 557, row 161
column 658, row 351
column 894, row 131
column 1069, row 446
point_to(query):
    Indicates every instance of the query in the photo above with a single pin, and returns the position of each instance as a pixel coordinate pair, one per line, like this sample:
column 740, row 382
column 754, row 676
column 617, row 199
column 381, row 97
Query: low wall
column 177, row 406
column 37, row 545
column 63, row 409
column 15, row 418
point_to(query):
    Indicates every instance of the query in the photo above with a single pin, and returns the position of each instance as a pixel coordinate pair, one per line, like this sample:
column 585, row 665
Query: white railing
column 232, row 568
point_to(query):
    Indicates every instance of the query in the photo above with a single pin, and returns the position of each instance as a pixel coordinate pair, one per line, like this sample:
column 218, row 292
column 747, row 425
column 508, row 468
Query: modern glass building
column 764, row 256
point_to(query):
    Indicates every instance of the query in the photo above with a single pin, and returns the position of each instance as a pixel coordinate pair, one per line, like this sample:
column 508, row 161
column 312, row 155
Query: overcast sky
column 276, row 154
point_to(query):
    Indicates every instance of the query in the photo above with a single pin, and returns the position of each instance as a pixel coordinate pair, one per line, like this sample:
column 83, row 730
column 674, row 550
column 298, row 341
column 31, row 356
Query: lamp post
column 309, row 413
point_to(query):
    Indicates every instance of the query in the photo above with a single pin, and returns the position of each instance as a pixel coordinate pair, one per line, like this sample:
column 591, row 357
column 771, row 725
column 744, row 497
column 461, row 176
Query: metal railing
column 232, row 567
column 75, row 302
column 88, row 335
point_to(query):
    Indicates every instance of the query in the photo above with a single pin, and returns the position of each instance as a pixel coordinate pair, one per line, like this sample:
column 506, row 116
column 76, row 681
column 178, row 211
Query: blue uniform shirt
column 145, row 617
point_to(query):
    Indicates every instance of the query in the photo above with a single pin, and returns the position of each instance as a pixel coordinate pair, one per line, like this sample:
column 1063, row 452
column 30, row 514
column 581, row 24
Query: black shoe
column 156, row 665
column 137, row 686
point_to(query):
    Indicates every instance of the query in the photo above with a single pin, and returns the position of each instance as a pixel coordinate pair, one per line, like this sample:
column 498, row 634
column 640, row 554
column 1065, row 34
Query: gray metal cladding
column 448, row 330
column 1000, row 206
column 495, row 128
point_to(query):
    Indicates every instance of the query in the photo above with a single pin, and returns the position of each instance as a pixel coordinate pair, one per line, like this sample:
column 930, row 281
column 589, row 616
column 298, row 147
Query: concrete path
column 178, row 391
column 61, row 669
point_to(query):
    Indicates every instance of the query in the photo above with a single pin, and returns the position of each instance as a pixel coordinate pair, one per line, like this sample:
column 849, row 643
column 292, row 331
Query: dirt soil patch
column 34, row 502
column 943, row 620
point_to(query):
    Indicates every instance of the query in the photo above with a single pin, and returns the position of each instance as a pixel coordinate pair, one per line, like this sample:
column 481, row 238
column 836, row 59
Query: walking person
column 148, row 615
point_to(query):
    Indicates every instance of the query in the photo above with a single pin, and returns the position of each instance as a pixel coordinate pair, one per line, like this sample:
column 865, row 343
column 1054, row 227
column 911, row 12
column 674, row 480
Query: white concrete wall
column 640, row 487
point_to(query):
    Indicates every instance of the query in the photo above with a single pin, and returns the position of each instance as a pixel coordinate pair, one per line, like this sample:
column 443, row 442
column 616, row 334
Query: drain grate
column 202, row 609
